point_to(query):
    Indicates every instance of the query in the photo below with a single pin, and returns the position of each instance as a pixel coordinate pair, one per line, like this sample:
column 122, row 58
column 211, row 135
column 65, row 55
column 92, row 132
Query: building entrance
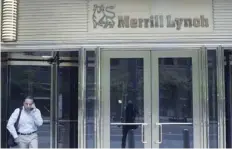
column 162, row 88
column 53, row 84
column 116, row 98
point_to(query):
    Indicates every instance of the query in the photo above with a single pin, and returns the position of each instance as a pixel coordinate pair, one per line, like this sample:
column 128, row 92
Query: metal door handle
column 161, row 133
column 142, row 132
column 127, row 124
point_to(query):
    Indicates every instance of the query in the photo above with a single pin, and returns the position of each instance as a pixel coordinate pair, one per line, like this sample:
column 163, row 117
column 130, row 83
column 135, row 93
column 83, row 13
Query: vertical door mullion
column 97, row 109
column 221, row 97
column 81, row 100
column 200, row 106
column 206, row 126
column 201, row 118
column 197, row 96
column 155, row 99
column 204, row 99
column 54, row 101
column 147, row 77
column 52, row 145
column 104, row 101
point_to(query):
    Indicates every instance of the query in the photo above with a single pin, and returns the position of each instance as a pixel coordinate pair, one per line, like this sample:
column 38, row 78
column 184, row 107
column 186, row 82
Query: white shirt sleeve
column 36, row 114
column 11, row 123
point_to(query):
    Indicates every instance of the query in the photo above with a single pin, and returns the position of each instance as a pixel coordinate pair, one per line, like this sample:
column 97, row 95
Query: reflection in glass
column 173, row 136
column 212, row 91
column 31, row 54
column 175, row 100
column 34, row 81
column 90, row 99
column 68, row 107
column 68, row 54
column 25, row 79
column 4, row 98
column 126, row 100
column 228, row 96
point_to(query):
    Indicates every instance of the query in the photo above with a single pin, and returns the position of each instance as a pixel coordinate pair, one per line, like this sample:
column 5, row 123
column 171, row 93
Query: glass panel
column 176, row 136
column 90, row 100
column 175, row 101
column 68, row 107
column 126, row 102
column 228, row 97
column 34, row 81
column 4, row 97
column 212, row 91
column 73, row 54
column 33, row 54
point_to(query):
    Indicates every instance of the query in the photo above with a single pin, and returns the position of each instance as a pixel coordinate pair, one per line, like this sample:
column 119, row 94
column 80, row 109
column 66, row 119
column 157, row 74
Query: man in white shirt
column 30, row 120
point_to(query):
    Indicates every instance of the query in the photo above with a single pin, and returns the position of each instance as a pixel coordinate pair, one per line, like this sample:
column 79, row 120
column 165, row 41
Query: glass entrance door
column 176, row 112
column 126, row 92
column 147, row 99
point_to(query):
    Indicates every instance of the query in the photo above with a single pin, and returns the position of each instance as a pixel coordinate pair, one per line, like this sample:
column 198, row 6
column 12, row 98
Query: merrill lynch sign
column 104, row 17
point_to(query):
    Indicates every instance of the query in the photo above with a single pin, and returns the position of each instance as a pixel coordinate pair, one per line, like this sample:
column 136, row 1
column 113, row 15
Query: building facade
column 170, row 58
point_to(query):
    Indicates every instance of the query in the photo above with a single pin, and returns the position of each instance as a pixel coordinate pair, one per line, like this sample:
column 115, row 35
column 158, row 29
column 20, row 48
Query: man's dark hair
column 29, row 97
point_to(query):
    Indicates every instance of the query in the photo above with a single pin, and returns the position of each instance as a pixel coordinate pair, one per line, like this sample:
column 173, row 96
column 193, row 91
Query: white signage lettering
column 108, row 17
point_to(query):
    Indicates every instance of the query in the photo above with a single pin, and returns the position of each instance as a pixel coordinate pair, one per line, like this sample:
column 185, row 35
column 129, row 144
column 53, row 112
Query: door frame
column 150, row 61
column 220, row 58
column 197, row 123
column 105, row 79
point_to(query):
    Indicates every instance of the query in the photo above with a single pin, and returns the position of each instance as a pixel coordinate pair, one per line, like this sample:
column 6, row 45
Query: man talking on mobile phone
column 28, row 119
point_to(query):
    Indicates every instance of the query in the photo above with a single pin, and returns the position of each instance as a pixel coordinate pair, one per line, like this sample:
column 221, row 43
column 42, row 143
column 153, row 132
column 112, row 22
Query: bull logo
column 103, row 16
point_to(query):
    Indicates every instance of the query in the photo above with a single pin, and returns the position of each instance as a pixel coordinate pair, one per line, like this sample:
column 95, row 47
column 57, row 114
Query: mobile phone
column 32, row 107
